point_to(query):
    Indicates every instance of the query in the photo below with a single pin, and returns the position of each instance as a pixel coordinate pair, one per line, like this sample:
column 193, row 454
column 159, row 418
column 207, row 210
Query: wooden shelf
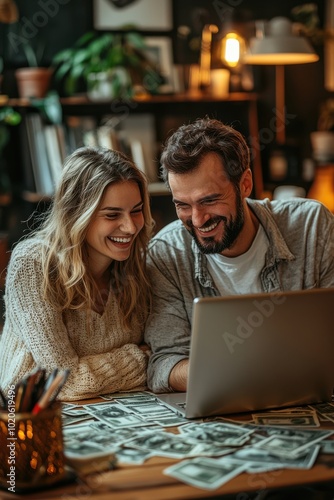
column 83, row 100
column 164, row 105
column 154, row 188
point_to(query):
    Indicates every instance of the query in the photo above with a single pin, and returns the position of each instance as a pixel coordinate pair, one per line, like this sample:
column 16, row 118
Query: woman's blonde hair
column 68, row 283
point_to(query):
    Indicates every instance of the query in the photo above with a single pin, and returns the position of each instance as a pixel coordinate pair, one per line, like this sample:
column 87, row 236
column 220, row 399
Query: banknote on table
column 325, row 410
column 114, row 415
column 148, row 408
column 217, row 433
column 327, row 447
column 255, row 455
column 294, row 419
column 166, row 444
column 204, row 473
column 132, row 456
column 128, row 395
column 285, row 446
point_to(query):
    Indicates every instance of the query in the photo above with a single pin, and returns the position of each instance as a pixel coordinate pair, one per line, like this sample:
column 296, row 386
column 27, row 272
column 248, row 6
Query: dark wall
column 304, row 84
column 57, row 24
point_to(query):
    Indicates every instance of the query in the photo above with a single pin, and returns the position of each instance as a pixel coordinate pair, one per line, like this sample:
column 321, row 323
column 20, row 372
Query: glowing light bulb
column 231, row 49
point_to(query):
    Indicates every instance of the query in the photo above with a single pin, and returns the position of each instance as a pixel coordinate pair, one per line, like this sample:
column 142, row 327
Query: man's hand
column 146, row 349
column 178, row 377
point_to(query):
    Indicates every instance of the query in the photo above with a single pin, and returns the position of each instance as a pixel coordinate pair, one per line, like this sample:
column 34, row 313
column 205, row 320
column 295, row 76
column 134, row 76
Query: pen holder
column 31, row 449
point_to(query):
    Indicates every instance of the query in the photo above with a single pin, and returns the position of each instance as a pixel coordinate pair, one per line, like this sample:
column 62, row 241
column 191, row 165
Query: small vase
column 323, row 146
column 108, row 85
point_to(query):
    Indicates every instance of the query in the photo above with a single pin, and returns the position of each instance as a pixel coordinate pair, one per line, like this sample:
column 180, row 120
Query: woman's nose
column 128, row 225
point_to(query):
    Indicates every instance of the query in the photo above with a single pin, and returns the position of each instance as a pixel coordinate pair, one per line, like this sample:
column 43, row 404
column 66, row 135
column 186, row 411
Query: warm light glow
column 322, row 188
column 232, row 47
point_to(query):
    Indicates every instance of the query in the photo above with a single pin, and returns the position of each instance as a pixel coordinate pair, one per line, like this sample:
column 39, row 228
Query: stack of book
column 45, row 146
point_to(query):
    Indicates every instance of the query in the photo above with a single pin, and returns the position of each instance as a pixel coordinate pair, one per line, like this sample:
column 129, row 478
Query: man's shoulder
column 173, row 233
column 171, row 243
column 290, row 208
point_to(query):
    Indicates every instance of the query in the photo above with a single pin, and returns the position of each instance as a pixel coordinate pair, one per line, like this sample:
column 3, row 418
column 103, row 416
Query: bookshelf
column 167, row 112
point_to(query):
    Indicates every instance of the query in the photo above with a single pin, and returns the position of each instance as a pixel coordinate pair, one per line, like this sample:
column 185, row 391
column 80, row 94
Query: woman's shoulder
column 29, row 248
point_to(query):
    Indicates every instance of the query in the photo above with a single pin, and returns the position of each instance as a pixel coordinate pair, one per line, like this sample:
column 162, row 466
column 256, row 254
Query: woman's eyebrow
column 119, row 209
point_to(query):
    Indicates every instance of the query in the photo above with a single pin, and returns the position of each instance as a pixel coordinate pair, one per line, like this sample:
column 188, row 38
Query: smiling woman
column 77, row 295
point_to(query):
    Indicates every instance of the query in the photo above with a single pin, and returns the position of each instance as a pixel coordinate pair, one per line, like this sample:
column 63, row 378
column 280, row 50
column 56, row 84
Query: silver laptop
column 255, row 352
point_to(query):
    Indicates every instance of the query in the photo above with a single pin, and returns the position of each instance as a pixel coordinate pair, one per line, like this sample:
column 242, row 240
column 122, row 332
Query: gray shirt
column 300, row 256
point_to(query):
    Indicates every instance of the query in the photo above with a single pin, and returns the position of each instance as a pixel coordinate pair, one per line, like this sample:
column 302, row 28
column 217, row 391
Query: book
column 141, row 127
column 54, row 152
column 107, row 137
column 28, row 173
column 38, row 153
column 137, row 153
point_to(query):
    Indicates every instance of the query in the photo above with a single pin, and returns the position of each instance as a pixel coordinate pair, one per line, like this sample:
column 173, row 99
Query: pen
column 27, row 400
column 50, row 379
column 38, row 389
column 3, row 400
column 65, row 377
column 46, row 396
column 19, row 394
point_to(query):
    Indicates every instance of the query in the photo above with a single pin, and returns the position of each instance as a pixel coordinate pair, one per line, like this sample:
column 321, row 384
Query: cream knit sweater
column 105, row 360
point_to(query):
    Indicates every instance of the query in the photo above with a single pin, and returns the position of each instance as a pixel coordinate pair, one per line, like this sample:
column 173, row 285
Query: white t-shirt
column 239, row 275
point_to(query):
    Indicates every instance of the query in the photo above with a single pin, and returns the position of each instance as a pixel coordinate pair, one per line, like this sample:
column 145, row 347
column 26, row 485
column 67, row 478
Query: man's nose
column 199, row 216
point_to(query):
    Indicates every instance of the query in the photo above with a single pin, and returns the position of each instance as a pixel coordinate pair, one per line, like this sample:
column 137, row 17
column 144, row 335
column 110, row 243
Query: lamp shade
column 279, row 46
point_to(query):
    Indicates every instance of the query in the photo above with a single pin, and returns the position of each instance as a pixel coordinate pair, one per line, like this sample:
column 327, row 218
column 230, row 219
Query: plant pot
column 323, row 146
column 108, row 85
column 33, row 82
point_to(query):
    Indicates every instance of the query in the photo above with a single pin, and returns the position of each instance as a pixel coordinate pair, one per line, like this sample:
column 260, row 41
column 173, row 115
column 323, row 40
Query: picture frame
column 144, row 15
column 160, row 51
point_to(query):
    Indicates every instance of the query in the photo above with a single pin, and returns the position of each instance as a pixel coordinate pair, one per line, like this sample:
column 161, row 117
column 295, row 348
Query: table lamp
column 277, row 45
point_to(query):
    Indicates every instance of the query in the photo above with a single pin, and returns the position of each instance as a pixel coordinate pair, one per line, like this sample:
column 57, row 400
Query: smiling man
column 224, row 242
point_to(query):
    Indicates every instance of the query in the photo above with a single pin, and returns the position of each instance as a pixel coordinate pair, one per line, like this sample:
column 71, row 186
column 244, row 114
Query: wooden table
column 147, row 482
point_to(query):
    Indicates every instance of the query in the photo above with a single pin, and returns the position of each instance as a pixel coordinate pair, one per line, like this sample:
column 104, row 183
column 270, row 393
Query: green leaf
column 62, row 70
column 136, row 40
column 84, row 39
column 63, row 55
column 49, row 107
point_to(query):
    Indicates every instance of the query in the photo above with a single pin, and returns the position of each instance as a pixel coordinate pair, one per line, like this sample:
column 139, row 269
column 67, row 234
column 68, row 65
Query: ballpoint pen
column 65, row 377
column 27, row 401
column 20, row 389
column 45, row 399
column 3, row 401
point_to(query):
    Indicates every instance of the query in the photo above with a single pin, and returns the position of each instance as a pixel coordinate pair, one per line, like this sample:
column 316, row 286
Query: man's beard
column 233, row 226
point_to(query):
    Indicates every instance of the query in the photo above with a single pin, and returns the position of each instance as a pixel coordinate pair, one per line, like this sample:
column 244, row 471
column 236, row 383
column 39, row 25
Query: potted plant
column 33, row 81
column 110, row 65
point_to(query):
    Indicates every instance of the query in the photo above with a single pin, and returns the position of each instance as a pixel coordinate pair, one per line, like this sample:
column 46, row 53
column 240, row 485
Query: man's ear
column 246, row 183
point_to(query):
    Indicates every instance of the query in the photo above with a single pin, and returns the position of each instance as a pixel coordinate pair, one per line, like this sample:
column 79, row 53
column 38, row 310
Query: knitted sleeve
column 35, row 334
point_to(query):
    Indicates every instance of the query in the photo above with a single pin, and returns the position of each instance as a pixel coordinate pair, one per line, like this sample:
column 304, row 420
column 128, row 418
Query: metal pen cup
column 31, row 449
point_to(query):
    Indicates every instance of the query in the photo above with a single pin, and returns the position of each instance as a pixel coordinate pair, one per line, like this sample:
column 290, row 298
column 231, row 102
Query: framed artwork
column 159, row 50
column 144, row 15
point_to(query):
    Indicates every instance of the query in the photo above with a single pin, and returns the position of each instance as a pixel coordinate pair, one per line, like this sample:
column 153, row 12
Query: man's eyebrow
column 119, row 209
column 209, row 197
